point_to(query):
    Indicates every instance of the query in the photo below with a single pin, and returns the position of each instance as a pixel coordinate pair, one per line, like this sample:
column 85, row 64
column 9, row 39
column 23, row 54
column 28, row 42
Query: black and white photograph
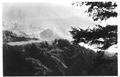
column 60, row 38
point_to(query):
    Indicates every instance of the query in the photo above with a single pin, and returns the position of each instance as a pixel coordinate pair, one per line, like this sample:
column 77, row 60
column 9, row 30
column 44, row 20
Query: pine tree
column 108, row 34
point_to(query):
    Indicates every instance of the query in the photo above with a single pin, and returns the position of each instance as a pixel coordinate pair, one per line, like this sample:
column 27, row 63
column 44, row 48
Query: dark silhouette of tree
column 99, row 10
column 108, row 34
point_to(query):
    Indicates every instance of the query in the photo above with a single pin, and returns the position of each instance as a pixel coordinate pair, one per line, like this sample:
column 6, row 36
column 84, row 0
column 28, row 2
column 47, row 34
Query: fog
column 36, row 17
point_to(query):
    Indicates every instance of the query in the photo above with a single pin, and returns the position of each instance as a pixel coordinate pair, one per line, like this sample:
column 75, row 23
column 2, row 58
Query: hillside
column 60, row 58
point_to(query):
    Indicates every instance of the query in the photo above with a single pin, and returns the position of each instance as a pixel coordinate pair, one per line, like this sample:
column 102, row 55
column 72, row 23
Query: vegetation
column 99, row 10
column 108, row 34
column 56, row 59
column 9, row 36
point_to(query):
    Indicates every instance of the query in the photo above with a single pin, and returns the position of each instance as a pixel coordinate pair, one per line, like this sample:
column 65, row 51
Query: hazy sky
column 35, row 17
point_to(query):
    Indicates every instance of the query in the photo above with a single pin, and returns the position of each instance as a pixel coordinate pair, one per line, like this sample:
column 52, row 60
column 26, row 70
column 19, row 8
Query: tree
column 108, row 34
column 93, row 36
column 100, row 10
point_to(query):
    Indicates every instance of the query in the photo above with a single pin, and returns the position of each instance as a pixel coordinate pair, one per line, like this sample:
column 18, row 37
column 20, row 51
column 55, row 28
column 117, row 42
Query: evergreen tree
column 108, row 34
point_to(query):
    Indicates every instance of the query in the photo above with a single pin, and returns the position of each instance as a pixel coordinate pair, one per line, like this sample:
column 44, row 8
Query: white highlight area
column 109, row 52
column 34, row 17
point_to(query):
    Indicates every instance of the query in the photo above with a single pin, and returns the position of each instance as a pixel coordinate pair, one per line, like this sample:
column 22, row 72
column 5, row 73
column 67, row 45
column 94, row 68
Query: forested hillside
column 56, row 59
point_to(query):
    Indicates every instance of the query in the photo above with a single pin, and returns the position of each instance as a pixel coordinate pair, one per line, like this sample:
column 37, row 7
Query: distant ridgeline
column 9, row 36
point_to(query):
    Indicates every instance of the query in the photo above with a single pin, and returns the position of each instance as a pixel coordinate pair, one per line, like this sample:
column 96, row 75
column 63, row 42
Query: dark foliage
column 100, row 10
column 59, row 58
column 92, row 36
column 14, row 62
column 108, row 34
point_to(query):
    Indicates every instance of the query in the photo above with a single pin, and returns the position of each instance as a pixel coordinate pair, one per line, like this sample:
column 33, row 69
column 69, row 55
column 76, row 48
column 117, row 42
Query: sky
column 35, row 17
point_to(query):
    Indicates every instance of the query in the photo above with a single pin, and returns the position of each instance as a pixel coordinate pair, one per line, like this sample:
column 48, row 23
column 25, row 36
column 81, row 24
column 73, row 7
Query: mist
column 36, row 17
